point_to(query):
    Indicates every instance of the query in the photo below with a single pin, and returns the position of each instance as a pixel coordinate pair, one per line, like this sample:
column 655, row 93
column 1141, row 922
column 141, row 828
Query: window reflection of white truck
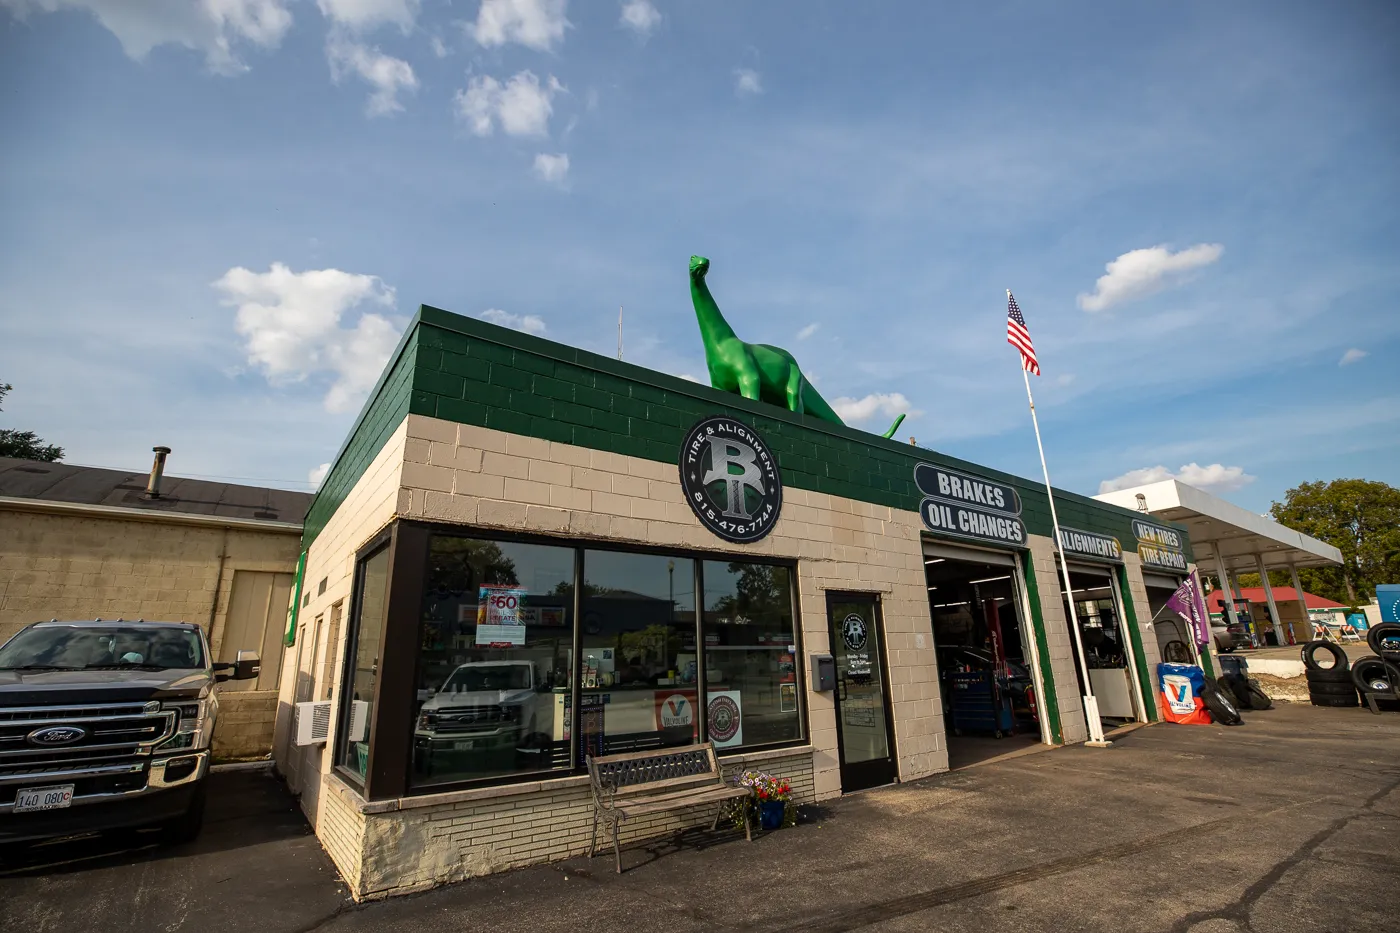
column 495, row 710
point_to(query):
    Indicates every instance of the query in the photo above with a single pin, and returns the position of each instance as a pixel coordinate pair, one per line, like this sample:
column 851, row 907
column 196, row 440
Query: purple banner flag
column 1187, row 603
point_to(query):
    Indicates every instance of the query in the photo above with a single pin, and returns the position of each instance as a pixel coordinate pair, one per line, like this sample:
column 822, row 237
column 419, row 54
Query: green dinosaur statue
column 754, row 370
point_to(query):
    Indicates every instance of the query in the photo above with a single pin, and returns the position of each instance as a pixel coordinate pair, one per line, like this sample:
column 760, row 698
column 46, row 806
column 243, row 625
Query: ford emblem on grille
column 57, row 735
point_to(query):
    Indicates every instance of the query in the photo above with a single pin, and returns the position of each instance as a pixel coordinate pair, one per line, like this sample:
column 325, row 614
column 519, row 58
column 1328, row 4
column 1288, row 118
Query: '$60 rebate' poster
column 498, row 621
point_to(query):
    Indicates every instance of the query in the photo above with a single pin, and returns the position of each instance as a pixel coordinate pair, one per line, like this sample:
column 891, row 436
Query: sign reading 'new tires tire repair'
column 966, row 506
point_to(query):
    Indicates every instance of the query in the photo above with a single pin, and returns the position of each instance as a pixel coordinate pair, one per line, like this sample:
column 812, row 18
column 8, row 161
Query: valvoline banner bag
column 1182, row 685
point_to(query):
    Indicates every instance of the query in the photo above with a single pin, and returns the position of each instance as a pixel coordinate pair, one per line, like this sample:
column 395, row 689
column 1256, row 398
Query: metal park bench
column 655, row 781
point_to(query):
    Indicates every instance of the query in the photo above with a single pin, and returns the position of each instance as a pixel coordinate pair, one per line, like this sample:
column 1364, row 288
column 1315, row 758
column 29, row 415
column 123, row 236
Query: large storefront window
column 638, row 647
column 494, row 662
column 750, row 655
column 516, row 674
column 366, row 629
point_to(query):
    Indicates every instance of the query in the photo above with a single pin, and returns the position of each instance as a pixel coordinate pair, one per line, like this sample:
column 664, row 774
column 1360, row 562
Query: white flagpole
column 1091, row 703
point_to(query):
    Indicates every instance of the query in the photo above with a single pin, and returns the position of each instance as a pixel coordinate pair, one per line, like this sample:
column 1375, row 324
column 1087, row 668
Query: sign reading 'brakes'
column 969, row 506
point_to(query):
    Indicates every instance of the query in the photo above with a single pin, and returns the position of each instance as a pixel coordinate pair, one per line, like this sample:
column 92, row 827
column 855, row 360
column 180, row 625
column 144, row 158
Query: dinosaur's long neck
column 714, row 329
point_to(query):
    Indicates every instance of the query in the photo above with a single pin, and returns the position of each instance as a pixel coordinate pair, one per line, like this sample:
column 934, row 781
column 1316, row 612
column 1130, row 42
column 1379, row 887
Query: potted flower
column 770, row 796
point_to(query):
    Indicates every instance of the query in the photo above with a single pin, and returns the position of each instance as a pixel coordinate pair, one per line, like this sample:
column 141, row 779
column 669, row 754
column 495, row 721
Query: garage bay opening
column 991, row 703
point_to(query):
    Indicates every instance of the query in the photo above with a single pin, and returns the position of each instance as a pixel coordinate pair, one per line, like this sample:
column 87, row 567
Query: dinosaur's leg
column 750, row 385
column 794, row 390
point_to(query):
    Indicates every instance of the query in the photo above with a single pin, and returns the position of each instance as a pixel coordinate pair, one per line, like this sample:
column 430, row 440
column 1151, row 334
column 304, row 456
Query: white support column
column 1269, row 598
column 1298, row 591
column 1227, row 597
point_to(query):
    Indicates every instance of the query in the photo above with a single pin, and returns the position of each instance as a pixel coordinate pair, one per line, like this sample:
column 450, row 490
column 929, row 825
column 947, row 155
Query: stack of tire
column 1331, row 685
column 1380, row 673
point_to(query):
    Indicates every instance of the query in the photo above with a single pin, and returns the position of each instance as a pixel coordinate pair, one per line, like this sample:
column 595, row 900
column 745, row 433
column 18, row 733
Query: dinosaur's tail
column 894, row 427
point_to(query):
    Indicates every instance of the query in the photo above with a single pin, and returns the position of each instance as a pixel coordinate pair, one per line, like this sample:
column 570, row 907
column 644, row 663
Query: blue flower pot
column 770, row 814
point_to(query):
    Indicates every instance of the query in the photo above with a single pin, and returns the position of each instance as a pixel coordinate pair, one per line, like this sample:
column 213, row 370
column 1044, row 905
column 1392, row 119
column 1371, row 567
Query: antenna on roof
column 619, row 332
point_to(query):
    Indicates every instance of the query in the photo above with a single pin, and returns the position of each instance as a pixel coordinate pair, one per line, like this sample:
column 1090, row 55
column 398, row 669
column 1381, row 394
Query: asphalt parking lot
column 1288, row 824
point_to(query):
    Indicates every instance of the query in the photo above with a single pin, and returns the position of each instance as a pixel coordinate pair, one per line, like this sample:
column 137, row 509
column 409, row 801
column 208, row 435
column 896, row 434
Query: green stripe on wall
column 1149, row 700
column 1049, row 705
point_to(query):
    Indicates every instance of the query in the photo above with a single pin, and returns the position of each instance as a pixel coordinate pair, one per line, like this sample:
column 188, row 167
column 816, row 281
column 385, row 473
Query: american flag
column 1019, row 337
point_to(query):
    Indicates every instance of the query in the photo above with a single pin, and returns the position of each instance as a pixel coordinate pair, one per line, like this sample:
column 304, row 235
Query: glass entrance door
column 862, row 713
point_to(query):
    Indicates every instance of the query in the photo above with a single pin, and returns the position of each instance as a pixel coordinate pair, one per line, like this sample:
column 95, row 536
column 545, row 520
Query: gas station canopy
column 1224, row 533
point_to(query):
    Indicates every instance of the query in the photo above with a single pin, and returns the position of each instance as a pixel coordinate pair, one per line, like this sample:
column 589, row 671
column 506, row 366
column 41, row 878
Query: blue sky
column 219, row 213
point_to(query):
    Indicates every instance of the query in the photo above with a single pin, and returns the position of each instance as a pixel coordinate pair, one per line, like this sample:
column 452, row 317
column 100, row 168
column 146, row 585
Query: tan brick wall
column 367, row 509
column 424, row 846
column 244, row 729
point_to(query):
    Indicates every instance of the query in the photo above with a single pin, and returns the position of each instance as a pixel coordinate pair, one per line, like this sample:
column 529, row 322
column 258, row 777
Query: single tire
column 1337, row 689
column 1337, row 702
column 1384, row 640
column 1311, row 648
column 1258, row 699
column 1222, row 708
column 1327, row 675
column 187, row 826
column 1375, row 675
column 1176, row 651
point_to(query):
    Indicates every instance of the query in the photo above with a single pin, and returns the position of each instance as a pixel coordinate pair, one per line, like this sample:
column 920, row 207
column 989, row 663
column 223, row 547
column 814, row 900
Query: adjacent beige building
column 87, row 543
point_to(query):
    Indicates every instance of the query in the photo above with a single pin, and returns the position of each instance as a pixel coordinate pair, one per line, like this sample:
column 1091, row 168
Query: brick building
column 87, row 543
column 525, row 554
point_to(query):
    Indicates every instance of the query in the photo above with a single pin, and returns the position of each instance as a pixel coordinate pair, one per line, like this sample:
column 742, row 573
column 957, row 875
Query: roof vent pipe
column 157, row 472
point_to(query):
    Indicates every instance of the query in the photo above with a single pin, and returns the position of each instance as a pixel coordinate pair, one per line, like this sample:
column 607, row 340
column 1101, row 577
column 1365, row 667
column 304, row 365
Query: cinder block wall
column 497, row 829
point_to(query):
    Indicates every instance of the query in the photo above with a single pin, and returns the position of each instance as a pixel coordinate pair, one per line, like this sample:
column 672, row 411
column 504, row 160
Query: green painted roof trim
column 471, row 372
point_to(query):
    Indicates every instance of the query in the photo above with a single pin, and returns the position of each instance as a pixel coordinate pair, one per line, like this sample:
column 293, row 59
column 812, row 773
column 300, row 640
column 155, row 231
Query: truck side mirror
column 246, row 665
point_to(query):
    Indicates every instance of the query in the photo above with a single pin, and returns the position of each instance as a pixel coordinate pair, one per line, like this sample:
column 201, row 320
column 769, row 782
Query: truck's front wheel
column 186, row 827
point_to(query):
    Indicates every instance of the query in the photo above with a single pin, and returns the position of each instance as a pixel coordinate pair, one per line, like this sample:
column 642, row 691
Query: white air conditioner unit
column 359, row 720
column 313, row 722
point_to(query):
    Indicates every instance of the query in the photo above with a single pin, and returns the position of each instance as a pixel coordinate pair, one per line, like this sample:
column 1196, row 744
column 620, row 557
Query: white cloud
column 1213, row 478
column 747, row 81
column 291, row 324
column 1352, row 356
column 1064, row 379
column 862, row 409
column 317, row 476
column 522, row 106
column 537, row 24
column 367, row 14
column 552, row 168
column 640, row 17
column 527, row 323
column 1141, row 272
column 439, row 47
column 808, row 331
column 213, row 27
column 689, row 378
column 388, row 76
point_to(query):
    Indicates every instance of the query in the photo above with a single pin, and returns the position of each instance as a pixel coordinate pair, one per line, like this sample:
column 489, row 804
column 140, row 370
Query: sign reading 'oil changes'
column 969, row 506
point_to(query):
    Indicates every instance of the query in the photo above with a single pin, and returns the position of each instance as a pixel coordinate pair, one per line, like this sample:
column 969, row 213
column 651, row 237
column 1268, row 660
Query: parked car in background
column 1228, row 637
column 107, row 725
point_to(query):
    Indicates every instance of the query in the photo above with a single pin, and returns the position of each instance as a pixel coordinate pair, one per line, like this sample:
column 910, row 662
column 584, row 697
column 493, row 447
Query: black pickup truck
column 107, row 725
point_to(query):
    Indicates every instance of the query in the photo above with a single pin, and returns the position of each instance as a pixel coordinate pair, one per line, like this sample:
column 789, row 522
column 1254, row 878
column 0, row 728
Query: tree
column 1361, row 518
column 25, row 445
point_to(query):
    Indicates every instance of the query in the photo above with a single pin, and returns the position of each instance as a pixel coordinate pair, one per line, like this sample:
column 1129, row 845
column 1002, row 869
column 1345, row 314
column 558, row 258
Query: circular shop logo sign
column 853, row 632
column 724, row 719
column 730, row 478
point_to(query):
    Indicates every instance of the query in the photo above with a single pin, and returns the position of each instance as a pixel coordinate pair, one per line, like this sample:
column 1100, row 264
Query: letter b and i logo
column 730, row 479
